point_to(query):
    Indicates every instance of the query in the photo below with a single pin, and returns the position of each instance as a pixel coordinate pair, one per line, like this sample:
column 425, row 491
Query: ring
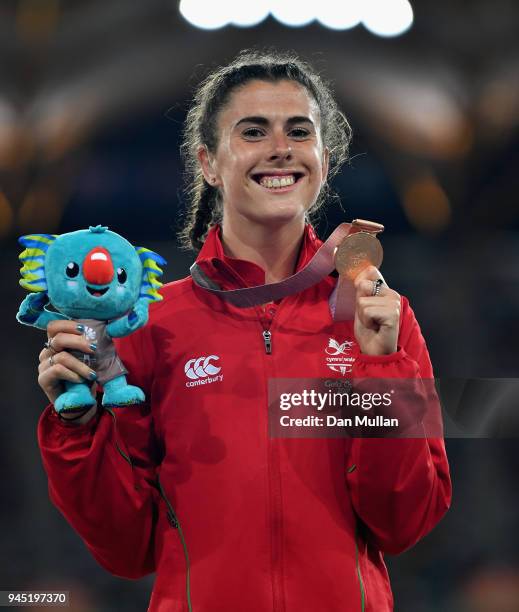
column 51, row 360
column 376, row 286
column 48, row 345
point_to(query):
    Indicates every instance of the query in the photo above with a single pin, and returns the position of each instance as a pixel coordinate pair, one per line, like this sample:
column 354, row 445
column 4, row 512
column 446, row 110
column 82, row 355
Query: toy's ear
column 151, row 270
column 33, row 260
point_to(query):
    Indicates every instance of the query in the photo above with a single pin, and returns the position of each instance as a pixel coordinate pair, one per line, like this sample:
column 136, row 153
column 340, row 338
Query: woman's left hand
column 377, row 317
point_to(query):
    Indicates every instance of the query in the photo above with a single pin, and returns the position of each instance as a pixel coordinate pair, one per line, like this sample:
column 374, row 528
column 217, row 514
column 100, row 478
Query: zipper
column 266, row 333
column 274, row 480
column 266, row 324
column 274, row 507
column 267, row 338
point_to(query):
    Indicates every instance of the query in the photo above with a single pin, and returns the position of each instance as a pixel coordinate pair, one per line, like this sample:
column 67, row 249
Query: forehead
column 278, row 100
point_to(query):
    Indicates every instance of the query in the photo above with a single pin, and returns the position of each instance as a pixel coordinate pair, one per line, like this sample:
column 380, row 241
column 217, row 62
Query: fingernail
column 92, row 375
column 93, row 346
column 80, row 328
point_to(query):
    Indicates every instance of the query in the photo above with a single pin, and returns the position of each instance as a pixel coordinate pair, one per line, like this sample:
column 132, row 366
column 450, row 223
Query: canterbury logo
column 334, row 348
column 201, row 367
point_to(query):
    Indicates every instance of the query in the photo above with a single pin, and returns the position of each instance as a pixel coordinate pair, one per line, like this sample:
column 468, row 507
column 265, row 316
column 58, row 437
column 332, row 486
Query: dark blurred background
column 93, row 94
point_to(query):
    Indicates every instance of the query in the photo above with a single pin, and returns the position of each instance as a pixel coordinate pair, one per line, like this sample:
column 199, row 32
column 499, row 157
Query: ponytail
column 202, row 217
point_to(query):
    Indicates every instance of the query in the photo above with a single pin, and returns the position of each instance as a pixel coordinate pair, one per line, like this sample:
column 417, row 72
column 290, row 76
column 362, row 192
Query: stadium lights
column 293, row 13
column 248, row 14
column 381, row 17
column 339, row 15
column 387, row 18
column 205, row 15
column 214, row 15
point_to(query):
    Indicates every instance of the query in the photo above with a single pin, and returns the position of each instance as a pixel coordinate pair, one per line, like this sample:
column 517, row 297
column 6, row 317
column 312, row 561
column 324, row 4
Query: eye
column 72, row 269
column 252, row 132
column 299, row 133
column 121, row 275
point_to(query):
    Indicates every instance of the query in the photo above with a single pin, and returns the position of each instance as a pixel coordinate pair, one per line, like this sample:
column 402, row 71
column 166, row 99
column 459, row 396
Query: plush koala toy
column 99, row 279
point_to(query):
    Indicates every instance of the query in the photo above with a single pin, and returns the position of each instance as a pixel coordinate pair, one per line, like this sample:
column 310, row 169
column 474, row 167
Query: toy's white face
column 92, row 276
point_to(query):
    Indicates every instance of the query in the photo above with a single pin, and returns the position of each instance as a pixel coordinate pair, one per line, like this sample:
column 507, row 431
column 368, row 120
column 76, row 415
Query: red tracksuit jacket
column 270, row 524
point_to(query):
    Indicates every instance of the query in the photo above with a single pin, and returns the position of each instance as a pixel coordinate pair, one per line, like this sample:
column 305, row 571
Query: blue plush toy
column 98, row 278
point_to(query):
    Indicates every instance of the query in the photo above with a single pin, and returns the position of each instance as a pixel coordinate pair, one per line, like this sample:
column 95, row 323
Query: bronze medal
column 356, row 252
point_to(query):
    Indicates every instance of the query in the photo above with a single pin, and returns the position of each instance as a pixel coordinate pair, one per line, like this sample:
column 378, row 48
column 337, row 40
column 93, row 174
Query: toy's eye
column 72, row 269
column 121, row 275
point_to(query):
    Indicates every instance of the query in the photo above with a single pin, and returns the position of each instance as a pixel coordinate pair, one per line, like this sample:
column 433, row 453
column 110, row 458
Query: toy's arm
column 32, row 311
column 137, row 317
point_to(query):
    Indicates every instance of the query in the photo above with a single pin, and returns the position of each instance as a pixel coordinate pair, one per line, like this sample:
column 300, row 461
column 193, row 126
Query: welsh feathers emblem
column 334, row 348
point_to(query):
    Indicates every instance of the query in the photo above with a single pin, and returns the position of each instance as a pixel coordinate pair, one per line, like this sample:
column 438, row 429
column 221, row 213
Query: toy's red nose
column 98, row 268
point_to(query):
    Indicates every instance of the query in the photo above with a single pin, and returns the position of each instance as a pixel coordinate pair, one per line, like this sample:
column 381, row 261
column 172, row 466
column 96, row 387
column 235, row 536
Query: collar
column 230, row 272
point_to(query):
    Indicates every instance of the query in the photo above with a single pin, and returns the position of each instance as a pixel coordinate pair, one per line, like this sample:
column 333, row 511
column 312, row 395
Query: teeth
column 274, row 183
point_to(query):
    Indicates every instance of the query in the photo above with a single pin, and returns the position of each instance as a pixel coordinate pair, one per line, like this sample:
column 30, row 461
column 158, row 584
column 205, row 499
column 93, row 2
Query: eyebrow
column 264, row 121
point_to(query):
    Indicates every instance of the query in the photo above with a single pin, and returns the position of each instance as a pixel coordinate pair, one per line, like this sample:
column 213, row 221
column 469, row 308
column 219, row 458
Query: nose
column 281, row 149
column 98, row 268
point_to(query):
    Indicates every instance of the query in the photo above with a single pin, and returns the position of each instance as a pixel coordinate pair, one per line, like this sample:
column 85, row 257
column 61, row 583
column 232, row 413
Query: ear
column 206, row 161
column 326, row 164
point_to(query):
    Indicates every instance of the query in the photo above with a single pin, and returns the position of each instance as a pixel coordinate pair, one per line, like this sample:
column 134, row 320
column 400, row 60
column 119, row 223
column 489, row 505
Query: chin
column 277, row 212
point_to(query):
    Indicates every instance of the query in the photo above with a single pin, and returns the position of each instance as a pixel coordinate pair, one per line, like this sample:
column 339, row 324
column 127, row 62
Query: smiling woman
column 257, row 155
column 271, row 524
column 274, row 110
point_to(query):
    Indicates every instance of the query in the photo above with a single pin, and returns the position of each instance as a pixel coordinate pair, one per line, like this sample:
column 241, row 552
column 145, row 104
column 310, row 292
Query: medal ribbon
column 320, row 266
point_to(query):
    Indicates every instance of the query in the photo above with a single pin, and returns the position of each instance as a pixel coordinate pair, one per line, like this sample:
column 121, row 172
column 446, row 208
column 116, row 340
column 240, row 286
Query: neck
column 275, row 249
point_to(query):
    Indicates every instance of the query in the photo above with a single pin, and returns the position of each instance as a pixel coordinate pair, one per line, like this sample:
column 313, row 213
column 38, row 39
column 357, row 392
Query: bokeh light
column 248, row 14
column 205, row 15
column 339, row 16
column 385, row 18
column 293, row 13
column 426, row 204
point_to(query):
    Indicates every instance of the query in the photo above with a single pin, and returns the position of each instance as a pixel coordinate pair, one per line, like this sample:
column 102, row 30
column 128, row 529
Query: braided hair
column 204, row 201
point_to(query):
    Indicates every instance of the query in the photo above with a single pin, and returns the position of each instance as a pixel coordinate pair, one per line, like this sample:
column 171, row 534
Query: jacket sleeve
column 400, row 487
column 108, row 501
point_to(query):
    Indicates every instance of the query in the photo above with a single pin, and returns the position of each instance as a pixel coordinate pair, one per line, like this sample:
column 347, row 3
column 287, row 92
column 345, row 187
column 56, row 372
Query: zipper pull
column 267, row 337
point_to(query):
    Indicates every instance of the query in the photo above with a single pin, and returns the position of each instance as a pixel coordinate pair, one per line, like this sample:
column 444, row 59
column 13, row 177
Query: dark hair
column 204, row 205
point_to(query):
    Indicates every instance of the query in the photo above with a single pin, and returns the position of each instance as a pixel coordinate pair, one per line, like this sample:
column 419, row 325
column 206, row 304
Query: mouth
column 278, row 182
column 97, row 292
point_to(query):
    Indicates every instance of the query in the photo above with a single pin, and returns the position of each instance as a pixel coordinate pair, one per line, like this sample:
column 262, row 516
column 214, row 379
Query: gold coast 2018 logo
column 338, row 356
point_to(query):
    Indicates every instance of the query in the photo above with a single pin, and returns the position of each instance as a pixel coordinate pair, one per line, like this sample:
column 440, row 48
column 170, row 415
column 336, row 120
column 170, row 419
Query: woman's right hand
column 58, row 365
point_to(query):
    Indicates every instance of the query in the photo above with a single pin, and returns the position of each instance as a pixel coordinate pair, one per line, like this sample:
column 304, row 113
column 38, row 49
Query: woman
column 270, row 523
